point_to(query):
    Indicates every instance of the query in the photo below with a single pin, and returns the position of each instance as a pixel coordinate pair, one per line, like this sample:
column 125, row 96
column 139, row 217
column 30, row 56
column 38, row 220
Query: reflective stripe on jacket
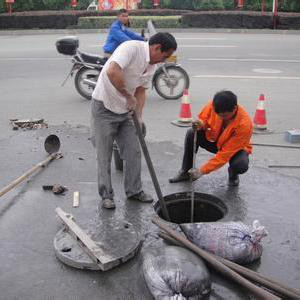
column 235, row 137
column 117, row 35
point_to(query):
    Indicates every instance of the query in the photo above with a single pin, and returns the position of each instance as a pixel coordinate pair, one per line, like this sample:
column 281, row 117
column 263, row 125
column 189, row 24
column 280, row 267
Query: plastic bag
column 175, row 273
column 234, row 241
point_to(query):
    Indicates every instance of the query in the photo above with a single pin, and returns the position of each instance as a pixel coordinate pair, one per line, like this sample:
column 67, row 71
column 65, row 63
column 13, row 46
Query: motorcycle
column 169, row 80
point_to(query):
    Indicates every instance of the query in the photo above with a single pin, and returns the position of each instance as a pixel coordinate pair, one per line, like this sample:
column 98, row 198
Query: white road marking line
column 34, row 58
column 246, row 59
column 207, row 46
column 191, row 46
column 201, row 38
column 247, row 77
column 270, row 71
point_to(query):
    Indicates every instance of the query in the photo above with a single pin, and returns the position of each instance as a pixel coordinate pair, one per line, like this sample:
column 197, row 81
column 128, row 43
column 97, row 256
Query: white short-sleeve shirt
column 134, row 58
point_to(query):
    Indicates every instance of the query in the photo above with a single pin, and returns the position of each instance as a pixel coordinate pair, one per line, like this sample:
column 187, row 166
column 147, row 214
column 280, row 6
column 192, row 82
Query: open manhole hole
column 207, row 208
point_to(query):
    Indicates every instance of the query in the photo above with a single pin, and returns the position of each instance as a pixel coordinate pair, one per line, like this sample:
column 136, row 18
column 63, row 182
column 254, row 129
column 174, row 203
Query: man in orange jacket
column 224, row 128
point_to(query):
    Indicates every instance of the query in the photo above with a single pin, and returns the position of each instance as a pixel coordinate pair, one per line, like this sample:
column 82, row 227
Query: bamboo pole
column 252, row 275
column 27, row 174
column 216, row 264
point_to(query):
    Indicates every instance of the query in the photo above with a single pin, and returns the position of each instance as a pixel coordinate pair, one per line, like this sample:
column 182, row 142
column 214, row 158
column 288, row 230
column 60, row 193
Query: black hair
column 165, row 39
column 122, row 11
column 224, row 101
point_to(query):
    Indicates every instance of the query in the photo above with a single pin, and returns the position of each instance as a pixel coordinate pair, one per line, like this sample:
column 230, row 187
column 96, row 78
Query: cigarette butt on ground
column 76, row 199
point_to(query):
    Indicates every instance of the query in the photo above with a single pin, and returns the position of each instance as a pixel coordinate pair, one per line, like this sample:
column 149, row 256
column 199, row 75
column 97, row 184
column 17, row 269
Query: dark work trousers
column 107, row 127
column 238, row 163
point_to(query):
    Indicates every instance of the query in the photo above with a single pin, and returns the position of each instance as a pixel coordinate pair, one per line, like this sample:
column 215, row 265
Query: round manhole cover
column 117, row 240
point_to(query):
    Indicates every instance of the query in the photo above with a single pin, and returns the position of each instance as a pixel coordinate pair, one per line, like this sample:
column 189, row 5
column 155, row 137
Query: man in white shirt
column 120, row 89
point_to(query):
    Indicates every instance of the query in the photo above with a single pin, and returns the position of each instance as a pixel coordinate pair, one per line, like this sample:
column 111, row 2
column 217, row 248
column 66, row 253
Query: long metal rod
column 284, row 166
column 150, row 167
column 192, row 181
column 216, row 264
column 276, row 145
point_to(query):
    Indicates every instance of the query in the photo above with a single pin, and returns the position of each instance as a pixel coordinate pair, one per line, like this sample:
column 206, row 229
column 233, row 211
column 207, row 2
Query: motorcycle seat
column 93, row 59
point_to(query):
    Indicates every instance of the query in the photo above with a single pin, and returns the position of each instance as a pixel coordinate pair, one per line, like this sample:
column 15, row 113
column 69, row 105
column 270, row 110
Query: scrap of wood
column 102, row 259
column 76, row 199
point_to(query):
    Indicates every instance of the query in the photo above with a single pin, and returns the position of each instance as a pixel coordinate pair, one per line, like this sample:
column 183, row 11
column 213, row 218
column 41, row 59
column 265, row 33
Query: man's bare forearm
column 140, row 95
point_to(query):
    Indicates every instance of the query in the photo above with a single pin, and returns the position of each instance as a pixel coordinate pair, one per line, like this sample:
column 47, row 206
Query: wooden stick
column 216, row 264
column 27, row 174
column 259, row 278
column 76, row 199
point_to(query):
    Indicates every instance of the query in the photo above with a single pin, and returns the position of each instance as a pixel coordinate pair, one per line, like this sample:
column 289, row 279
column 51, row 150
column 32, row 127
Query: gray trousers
column 107, row 127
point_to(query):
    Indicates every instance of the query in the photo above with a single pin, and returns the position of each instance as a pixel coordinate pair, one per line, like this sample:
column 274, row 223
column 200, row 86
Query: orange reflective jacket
column 236, row 136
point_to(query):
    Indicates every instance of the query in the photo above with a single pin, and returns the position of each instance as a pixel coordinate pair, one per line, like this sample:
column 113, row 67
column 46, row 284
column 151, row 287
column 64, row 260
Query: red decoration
column 74, row 3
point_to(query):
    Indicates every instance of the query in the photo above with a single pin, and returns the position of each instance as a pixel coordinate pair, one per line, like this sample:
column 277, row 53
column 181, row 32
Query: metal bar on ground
column 284, row 166
column 150, row 167
column 216, row 264
column 275, row 145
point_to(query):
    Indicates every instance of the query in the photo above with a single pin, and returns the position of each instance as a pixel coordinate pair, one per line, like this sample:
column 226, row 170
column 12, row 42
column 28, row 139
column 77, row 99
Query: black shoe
column 181, row 176
column 142, row 197
column 233, row 179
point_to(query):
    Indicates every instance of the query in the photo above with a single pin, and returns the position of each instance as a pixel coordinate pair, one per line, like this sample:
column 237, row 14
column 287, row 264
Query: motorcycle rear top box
column 67, row 45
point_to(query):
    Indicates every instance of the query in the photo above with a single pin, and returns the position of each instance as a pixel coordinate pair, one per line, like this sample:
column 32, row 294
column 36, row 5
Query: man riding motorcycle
column 118, row 33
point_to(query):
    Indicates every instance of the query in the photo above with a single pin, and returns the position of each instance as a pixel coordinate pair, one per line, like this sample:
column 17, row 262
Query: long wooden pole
column 216, row 264
column 27, row 174
column 252, row 275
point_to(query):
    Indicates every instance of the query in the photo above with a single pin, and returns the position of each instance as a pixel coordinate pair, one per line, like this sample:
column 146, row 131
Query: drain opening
column 207, row 208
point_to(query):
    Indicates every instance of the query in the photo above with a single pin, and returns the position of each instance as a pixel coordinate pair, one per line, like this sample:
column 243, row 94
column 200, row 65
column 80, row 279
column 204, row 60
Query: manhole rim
column 208, row 198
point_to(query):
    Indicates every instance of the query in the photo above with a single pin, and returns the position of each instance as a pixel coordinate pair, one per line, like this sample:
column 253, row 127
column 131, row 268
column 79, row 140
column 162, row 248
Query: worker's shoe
column 181, row 176
column 108, row 203
column 142, row 197
column 233, row 179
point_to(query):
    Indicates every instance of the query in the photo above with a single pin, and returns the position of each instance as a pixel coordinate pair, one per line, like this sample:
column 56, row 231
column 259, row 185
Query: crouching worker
column 224, row 128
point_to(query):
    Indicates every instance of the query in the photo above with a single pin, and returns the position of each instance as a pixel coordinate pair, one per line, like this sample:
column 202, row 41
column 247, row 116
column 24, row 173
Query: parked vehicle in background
column 93, row 5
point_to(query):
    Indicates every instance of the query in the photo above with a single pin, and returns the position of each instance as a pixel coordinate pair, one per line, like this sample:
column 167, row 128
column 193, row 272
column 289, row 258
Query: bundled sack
column 173, row 272
column 234, row 241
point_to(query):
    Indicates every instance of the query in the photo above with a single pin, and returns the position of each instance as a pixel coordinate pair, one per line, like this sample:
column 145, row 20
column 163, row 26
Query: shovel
column 52, row 145
column 150, row 167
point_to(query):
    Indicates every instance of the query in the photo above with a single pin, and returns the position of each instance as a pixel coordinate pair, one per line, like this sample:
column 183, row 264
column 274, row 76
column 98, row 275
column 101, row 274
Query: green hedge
column 29, row 5
column 135, row 21
column 34, row 5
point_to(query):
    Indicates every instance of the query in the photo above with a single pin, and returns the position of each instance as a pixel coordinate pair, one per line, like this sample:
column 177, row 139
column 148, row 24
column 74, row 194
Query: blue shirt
column 117, row 35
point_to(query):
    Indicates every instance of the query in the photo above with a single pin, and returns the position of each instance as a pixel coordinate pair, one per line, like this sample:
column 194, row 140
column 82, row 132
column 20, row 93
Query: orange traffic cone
column 260, row 120
column 185, row 115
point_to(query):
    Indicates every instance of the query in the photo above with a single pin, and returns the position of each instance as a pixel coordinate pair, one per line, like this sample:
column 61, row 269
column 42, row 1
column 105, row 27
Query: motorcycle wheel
column 82, row 87
column 171, row 88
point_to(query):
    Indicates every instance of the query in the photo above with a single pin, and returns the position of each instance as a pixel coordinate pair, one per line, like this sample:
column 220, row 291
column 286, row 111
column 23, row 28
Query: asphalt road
column 248, row 63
